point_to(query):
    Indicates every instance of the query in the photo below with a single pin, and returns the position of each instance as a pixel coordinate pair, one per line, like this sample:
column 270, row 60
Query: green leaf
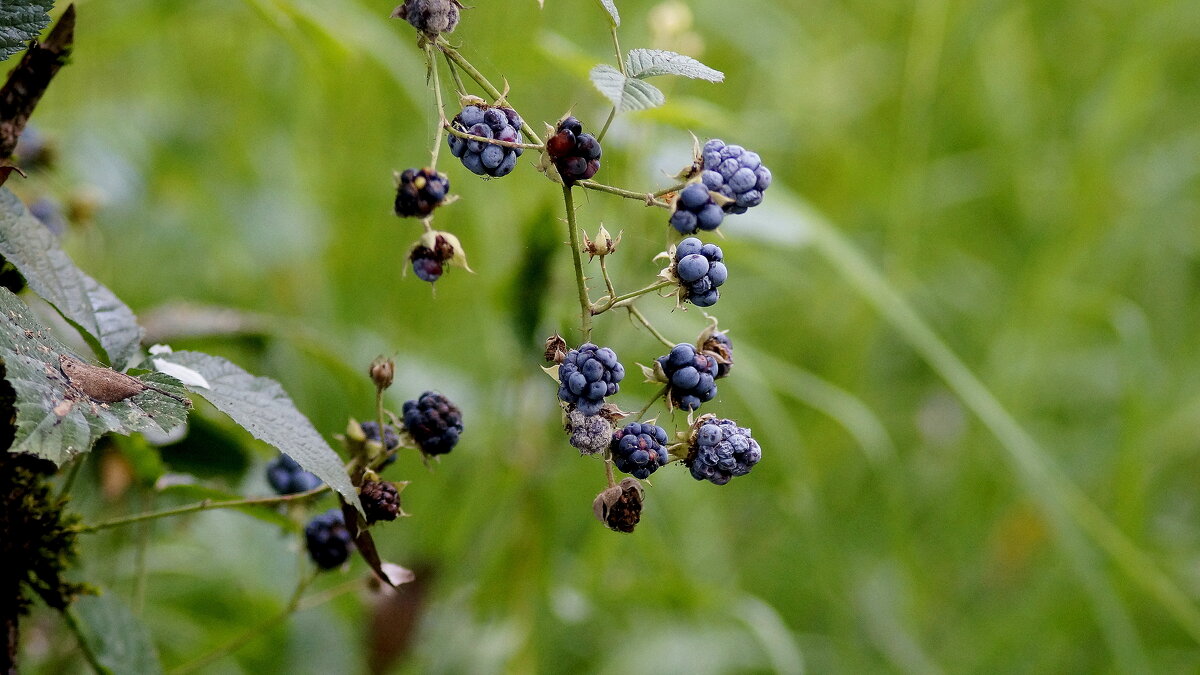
column 120, row 641
column 33, row 250
column 20, row 22
column 611, row 7
column 262, row 407
column 643, row 63
column 626, row 93
column 56, row 418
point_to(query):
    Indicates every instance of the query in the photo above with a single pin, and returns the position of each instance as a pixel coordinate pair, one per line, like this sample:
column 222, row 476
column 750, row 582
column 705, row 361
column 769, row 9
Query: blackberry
column 431, row 17
column 492, row 122
column 590, row 434
column 380, row 501
column 587, row 375
column 328, row 540
column 720, row 347
column 639, row 449
column 690, row 376
column 371, row 431
column 721, row 451
column 701, row 269
column 434, row 423
column 428, row 262
column 576, row 155
column 420, row 192
column 695, row 210
column 287, row 478
column 736, row 173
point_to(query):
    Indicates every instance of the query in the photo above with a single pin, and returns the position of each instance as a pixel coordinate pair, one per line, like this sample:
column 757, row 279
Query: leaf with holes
column 626, row 93
column 64, row 403
column 262, row 407
column 643, row 63
column 33, row 250
column 20, row 22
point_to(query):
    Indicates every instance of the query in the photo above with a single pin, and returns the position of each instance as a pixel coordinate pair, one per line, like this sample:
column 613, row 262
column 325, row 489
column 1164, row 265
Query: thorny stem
column 205, row 505
column 72, row 622
column 460, row 88
column 585, row 304
column 661, row 392
column 667, row 191
column 604, row 273
column 452, row 54
column 243, row 639
column 441, row 114
column 483, row 139
column 635, row 313
column 615, row 301
column 645, row 197
column 612, row 115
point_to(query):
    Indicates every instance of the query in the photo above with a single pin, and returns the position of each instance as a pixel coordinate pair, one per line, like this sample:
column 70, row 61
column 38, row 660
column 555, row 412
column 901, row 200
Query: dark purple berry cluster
column 695, row 210
column 736, row 173
column 434, row 423
column 722, row 450
column 429, row 262
column 492, row 122
column 587, row 375
column 690, row 376
column 287, row 478
column 328, row 541
column 380, row 501
column 701, row 270
column 420, row 192
column 639, row 449
column 576, row 155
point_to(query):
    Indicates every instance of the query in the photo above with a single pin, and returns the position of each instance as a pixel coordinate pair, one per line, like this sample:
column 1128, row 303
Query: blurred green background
column 965, row 321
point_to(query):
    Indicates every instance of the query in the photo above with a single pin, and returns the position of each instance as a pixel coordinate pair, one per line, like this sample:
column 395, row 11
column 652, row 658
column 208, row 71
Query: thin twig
column 437, row 140
column 72, row 622
column 608, row 284
column 585, row 304
column 645, row 409
column 206, row 505
column 458, row 83
column 645, row 197
column 615, row 302
column 637, row 314
column 612, row 115
column 28, row 81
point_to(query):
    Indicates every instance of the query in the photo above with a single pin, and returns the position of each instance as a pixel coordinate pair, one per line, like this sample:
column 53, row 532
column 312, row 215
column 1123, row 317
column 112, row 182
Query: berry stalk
column 205, row 505
column 484, row 139
column 441, row 115
column 646, row 197
column 614, row 302
column 635, row 313
column 585, row 304
column 452, row 54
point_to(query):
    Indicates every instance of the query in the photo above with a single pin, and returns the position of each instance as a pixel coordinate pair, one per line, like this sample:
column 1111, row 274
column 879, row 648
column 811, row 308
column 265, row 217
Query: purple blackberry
column 429, row 262
column 639, row 449
column 380, row 501
column 695, row 210
column 587, row 375
column 491, row 122
column 721, row 451
column 736, row 173
column 690, row 376
column 720, row 347
column 287, row 478
column 576, row 155
column 420, row 192
column 434, row 423
column 328, row 540
column 701, row 269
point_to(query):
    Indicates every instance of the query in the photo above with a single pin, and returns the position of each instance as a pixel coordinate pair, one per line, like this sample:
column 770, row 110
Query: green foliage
column 119, row 640
column 20, row 22
column 626, row 93
column 643, row 63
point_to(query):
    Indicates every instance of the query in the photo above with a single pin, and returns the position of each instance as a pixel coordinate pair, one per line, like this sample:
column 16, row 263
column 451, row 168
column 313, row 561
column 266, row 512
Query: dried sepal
column 556, row 349
column 654, row 374
column 620, row 507
column 603, row 245
column 382, row 372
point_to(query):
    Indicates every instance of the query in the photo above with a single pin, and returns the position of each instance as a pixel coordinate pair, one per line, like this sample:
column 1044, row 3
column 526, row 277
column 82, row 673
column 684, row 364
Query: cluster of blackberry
column 721, row 451
column 420, row 191
column 428, row 262
column 587, row 375
column 287, row 478
column 696, row 210
column 328, row 541
column 380, row 501
column 690, row 376
column 575, row 154
column 734, row 173
column 701, row 269
column 491, row 122
column 639, row 449
column 434, row 423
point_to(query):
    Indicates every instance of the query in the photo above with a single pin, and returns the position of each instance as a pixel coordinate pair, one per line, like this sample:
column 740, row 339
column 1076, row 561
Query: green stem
column 72, row 622
column 441, row 114
column 637, row 314
column 452, row 54
column 667, row 191
column 608, row 469
column 458, row 83
column 614, row 302
column 492, row 141
column 612, row 115
column 245, row 638
column 585, row 304
column 205, row 505
column 71, row 476
column 644, row 197
column 645, row 409
column 612, row 27
column 608, row 284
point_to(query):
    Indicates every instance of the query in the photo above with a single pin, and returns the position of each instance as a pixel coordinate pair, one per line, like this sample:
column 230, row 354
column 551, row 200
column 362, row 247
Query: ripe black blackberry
column 690, row 376
column 420, row 192
column 431, row 17
column 380, row 501
column 720, row 347
column 434, row 423
column 491, row 122
column 328, row 541
column 735, row 173
column 575, row 154
column 701, row 269
column 288, row 478
column 695, row 210
column 639, row 449
column 721, row 450
column 587, row 375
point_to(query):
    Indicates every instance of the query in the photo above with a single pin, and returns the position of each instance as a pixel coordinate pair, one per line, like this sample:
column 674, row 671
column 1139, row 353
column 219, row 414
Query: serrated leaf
column 20, row 22
column 120, row 641
column 611, row 7
column 262, row 407
column 33, row 250
column 643, row 63
column 626, row 93
column 56, row 419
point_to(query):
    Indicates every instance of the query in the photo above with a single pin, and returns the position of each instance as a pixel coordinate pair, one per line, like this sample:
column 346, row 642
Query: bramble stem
column 72, row 622
column 608, row 469
column 604, row 273
column 612, row 115
column 667, row 191
column 585, row 304
column 661, row 392
column 205, row 505
column 458, row 83
column 644, row 197
column 613, row 302
column 441, row 114
column 245, row 638
column 635, row 313
column 492, row 141
column 452, row 54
